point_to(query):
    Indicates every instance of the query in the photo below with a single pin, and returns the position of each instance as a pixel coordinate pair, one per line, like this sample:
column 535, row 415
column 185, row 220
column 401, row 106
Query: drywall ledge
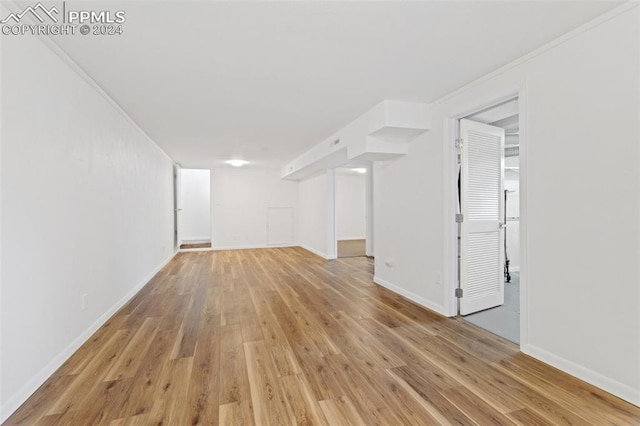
column 382, row 133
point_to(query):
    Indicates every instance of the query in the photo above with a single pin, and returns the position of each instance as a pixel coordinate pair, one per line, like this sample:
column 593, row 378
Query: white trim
column 450, row 227
column 316, row 252
column 17, row 399
column 58, row 51
column 514, row 269
column 247, row 247
column 612, row 386
column 523, row 99
column 2, row 408
column 197, row 240
column 75, row 67
column 630, row 4
column 369, row 218
column 450, row 178
column 332, row 230
column 276, row 245
column 411, row 296
column 351, row 239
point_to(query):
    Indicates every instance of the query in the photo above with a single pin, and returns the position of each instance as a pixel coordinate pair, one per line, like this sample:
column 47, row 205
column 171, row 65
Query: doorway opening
column 195, row 209
column 176, row 207
column 351, row 211
column 489, row 223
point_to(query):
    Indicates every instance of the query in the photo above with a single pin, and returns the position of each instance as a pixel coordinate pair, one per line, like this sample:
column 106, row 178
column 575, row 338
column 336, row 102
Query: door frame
column 451, row 133
column 177, row 206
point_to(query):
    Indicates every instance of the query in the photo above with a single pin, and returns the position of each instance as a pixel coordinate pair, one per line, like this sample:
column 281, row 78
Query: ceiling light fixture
column 360, row 170
column 237, row 163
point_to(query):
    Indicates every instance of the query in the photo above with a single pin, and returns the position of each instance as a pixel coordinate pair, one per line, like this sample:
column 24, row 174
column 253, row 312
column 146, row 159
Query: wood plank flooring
column 280, row 336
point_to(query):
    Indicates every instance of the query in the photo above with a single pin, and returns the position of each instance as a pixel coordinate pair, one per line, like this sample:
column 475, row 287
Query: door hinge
column 459, row 218
column 459, row 143
column 458, row 292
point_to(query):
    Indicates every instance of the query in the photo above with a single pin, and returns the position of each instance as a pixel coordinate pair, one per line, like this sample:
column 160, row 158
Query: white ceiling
column 264, row 81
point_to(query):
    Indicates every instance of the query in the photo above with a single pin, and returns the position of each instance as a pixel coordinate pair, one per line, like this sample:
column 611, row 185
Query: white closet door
column 482, row 228
column 279, row 225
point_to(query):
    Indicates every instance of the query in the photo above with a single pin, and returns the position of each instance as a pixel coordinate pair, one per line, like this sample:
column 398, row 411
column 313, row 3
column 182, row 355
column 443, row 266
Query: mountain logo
column 37, row 11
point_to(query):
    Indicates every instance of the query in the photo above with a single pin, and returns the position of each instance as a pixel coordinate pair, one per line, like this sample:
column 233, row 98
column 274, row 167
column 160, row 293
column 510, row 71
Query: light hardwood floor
column 281, row 336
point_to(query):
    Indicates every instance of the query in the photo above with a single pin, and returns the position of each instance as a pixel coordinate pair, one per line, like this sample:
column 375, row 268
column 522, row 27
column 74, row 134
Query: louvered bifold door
column 482, row 228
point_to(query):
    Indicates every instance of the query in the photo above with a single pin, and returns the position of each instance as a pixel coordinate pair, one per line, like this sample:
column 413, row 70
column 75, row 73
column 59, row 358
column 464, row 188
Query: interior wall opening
column 351, row 211
column 502, row 319
column 195, row 209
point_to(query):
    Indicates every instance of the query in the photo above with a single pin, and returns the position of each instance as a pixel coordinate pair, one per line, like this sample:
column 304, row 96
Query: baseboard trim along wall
column 14, row 402
column 605, row 383
column 411, row 296
column 317, row 252
column 188, row 240
column 249, row 247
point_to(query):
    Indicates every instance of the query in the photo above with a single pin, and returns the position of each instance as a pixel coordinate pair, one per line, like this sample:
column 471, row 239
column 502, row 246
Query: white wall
column 350, row 207
column 240, row 199
column 581, row 224
column 196, row 205
column 409, row 236
column 86, row 209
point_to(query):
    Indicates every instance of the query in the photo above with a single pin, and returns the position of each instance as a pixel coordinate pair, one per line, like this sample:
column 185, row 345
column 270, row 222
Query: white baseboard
column 239, row 247
column 192, row 240
column 514, row 269
column 411, row 296
column 16, row 400
column 596, row 379
column 351, row 238
column 316, row 252
column 257, row 246
column 251, row 246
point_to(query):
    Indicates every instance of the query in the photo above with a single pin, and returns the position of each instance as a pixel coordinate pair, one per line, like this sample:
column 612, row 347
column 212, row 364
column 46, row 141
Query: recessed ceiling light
column 237, row 163
column 360, row 170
